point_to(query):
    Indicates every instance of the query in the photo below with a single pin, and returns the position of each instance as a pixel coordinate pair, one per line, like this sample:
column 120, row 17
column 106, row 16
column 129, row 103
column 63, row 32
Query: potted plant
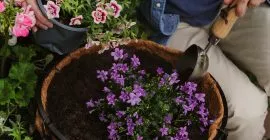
column 86, row 21
column 128, row 91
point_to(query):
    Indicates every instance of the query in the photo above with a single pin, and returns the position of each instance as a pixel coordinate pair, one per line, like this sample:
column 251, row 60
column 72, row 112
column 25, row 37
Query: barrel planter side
column 61, row 38
column 218, row 107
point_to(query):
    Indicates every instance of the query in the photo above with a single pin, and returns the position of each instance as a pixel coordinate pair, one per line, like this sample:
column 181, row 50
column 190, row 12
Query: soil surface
column 77, row 83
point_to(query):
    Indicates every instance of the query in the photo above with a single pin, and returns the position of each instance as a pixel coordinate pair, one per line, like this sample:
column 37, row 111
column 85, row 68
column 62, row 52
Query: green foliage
column 125, row 26
column 5, row 18
column 19, row 86
column 16, row 129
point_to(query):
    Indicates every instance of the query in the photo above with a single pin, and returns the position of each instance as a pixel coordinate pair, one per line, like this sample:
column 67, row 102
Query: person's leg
column 248, row 44
column 246, row 103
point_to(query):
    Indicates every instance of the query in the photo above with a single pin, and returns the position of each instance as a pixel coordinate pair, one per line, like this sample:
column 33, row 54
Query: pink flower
column 99, row 15
column 24, row 22
column 2, row 6
column 76, row 21
column 20, row 31
column 116, row 8
column 52, row 10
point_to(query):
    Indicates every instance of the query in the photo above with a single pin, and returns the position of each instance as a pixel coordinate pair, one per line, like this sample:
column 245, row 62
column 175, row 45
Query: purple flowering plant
column 143, row 105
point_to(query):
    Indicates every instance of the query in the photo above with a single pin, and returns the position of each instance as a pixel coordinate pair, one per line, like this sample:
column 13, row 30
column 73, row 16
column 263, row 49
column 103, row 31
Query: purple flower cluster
column 167, row 79
column 132, row 97
column 112, row 129
column 102, row 75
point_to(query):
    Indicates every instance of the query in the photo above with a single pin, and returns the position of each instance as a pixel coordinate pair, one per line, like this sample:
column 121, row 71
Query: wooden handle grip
column 223, row 26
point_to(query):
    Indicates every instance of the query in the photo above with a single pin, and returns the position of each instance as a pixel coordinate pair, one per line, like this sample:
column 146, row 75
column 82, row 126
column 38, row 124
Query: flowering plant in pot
column 146, row 105
column 129, row 91
column 103, row 20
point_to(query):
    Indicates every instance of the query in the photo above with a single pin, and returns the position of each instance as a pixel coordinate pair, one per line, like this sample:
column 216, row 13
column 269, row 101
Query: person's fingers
column 254, row 3
column 24, row 4
column 227, row 2
column 241, row 7
column 40, row 25
column 39, row 15
column 34, row 29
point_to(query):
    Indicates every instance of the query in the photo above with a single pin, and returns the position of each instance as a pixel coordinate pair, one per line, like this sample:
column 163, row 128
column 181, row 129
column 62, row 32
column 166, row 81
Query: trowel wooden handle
column 223, row 25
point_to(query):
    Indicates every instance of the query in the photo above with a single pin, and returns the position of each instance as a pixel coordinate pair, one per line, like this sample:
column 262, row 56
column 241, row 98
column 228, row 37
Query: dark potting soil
column 76, row 84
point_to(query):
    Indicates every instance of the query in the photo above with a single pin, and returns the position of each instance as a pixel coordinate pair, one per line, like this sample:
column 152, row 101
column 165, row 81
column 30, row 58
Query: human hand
column 243, row 4
column 41, row 21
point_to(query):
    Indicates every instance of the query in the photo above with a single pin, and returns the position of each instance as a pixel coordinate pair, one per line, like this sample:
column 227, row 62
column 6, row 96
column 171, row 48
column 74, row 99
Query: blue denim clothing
column 164, row 15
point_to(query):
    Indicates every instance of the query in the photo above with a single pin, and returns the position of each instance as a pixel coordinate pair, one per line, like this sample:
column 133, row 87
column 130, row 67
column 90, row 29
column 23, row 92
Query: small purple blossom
column 134, row 99
column 102, row 75
column 136, row 115
column 182, row 132
column 130, row 127
column 123, row 68
column 202, row 129
column 178, row 100
column 120, row 80
column 203, row 111
column 117, row 54
column 164, row 131
column 111, row 99
column 173, row 79
column 204, row 121
column 200, row 97
column 139, row 121
column 186, row 109
column 112, row 130
column 164, row 79
column 160, row 71
column 119, row 67
column 168, row 119
column 189, row 87
column 135, row 61
column 142, row 72
column 139, row 138
column 106, row 90
column 138, row 90
column 114, row 75
column 102, row 117
column 120, row 114
column 124, row 96
column 90, row 103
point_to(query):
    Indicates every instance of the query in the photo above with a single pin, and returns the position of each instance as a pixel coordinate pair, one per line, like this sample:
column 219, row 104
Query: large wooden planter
column 217, row 104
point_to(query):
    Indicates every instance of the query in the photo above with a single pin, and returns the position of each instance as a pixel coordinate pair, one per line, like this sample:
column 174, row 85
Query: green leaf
column 24, row 94
column 6, row 92
column 23, row 72
column 25, row 54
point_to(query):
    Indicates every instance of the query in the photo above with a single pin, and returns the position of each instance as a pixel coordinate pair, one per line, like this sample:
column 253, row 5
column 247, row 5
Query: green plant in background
column 16, row 130
column 18, row 88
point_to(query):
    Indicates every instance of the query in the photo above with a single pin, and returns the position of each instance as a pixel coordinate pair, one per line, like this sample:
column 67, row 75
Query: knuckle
column 254, row 2
column 243, row 1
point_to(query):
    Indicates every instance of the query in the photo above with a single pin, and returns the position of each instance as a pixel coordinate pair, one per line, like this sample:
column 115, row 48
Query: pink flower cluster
column 2, row 6
column 24, row 22
column 103, row 10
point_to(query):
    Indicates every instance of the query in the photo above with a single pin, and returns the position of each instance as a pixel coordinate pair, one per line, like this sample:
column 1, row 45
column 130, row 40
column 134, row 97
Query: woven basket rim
column 134, row 43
